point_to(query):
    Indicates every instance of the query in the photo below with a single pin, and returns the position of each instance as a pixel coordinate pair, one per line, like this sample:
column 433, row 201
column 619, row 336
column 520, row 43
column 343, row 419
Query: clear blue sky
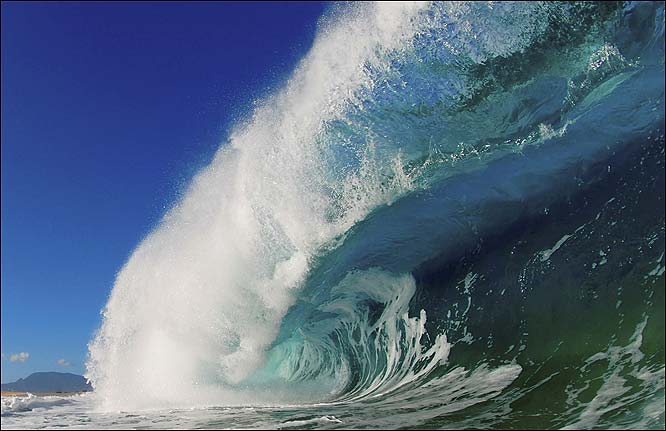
column 108, row 109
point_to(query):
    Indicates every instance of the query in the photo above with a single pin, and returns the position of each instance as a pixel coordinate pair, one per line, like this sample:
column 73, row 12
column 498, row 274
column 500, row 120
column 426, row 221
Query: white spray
column 200, row 299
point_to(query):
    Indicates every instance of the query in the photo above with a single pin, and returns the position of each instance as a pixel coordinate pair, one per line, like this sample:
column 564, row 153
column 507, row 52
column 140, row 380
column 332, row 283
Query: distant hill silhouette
column 49, row 382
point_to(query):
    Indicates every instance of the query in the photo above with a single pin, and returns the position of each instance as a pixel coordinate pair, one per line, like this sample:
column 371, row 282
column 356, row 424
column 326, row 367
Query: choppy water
column 451, row 216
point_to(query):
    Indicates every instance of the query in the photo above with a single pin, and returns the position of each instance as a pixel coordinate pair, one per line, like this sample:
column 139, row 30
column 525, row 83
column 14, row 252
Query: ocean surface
column 450, row 216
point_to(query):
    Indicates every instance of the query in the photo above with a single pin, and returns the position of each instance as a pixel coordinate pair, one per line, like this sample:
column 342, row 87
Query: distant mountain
column 49, row 382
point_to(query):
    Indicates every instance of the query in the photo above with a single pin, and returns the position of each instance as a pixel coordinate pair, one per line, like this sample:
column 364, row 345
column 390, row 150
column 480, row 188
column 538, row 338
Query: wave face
column 452, row 215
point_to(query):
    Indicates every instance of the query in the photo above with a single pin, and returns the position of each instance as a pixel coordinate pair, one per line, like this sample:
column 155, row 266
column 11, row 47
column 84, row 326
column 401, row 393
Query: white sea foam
column 200, row 299
column 29, row 402
column 615, row 390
